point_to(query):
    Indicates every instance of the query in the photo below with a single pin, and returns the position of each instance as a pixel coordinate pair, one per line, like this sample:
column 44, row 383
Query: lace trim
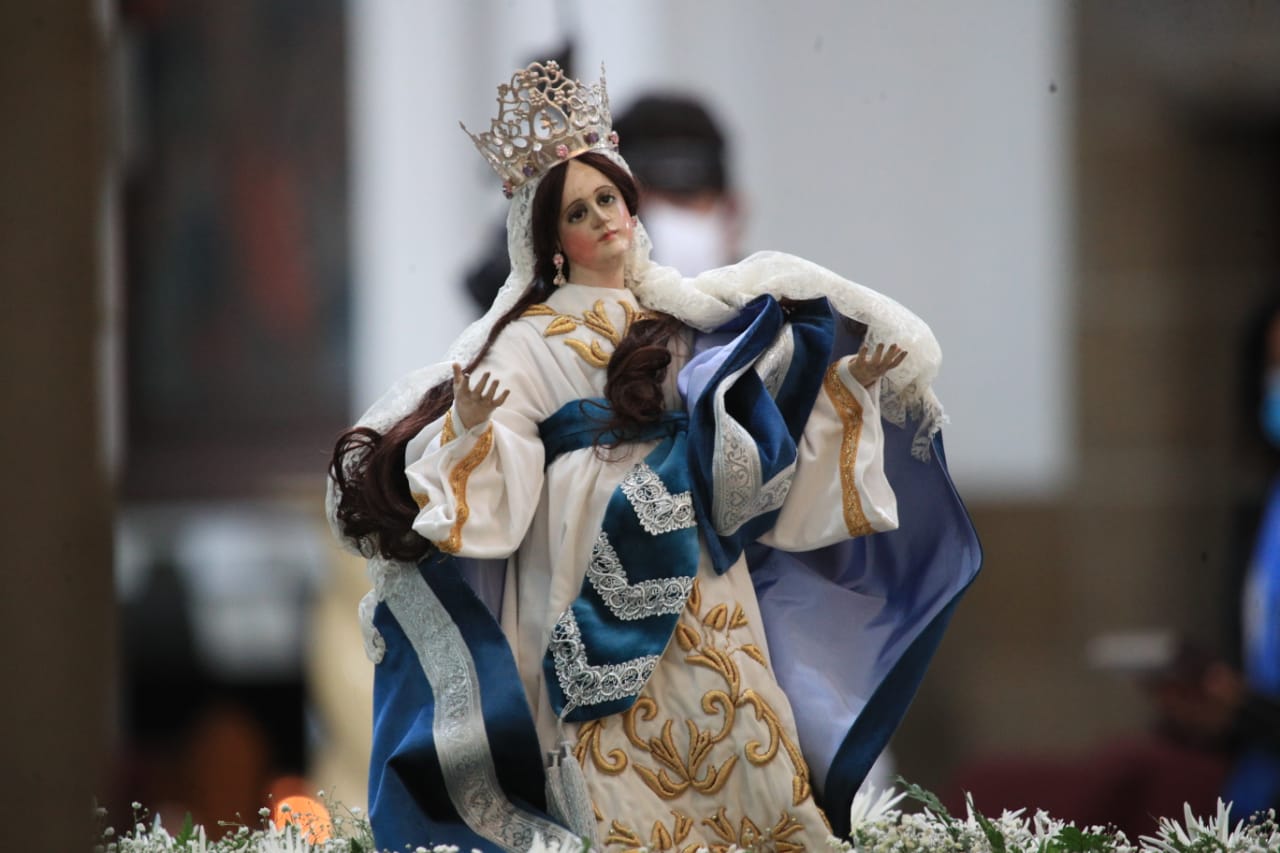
column 737, row 475
column 458, row 730
column 458, row 482
column 630, row 601
column 584, row 684
column 773, row 363
column 659, row 511
column 850, row 411
column 375, row 647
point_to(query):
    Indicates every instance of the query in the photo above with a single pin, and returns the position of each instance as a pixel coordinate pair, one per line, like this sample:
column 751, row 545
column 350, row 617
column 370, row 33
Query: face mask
column 1271, row 406
column 691, row 241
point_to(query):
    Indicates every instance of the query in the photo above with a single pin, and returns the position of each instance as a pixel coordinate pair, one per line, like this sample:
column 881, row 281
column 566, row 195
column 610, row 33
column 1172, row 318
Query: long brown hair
column 374, row 505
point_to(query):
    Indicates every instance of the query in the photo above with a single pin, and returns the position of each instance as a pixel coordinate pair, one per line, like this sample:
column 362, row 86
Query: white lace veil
column 704, row 302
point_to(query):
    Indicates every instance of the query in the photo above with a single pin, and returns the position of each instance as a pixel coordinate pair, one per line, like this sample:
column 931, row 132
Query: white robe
column 709, row 754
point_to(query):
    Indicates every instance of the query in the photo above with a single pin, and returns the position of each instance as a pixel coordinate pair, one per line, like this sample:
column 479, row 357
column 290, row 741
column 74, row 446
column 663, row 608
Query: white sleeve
column 840, row 489
column 477, row 489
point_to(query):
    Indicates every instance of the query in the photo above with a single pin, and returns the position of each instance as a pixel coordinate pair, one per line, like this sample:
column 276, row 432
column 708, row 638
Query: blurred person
column 680, row 157
column 559, row 536
column 1238, row 709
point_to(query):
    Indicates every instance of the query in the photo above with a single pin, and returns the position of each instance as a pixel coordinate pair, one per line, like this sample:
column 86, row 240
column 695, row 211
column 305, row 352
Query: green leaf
column 188, row 833
column 928, row 799
column 994, row 836
column 1072, row 839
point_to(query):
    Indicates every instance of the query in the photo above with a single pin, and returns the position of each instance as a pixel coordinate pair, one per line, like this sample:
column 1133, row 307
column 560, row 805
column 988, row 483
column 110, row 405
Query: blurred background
column 227, row 227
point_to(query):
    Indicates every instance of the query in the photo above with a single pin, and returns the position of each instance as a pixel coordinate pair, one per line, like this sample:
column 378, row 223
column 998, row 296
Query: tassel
column 567, row 797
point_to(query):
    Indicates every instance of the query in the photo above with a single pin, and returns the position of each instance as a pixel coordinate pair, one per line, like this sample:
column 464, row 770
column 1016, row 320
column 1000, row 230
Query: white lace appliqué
column 584, row 684
column 659, row 511
column 736, row 473
column 631, row 601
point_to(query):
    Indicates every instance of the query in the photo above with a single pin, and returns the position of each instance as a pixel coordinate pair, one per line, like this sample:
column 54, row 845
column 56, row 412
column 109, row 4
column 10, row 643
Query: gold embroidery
column 661, row 839
column 447, row 432
column 678, row 771
column 685, row 764
column 850, row 411
column 622, row 834
column 748, row 835
column 589, row 745
column 458, row 482
column 595, row 319
column 593, row 354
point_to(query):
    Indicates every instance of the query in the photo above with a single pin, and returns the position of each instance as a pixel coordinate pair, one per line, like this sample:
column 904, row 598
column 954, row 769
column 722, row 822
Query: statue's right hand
column 473, row 405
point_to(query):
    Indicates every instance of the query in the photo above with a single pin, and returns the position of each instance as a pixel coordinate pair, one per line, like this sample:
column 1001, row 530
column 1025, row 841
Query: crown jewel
column 544, row 118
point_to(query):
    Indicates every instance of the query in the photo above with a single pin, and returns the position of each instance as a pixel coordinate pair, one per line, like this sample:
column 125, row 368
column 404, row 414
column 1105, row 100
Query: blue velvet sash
column 455, row 756
column 606, row 644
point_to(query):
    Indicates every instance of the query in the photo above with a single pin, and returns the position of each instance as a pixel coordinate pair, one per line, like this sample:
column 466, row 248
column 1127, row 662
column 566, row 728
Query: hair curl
column 374, row 504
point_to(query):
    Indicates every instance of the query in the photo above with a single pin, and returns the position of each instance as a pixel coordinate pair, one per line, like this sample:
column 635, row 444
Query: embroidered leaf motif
column 622, row 834
column 718, row 618
column 660, row 839
column 753, row 651
column 598, row 321
column 687, row 638
column 695, row 599
column 683, row 825
column 664, row 749
column 661, row 784
column 539, row 310
column 720, row 825
column 739, row 617
column 592, row 354
column 561, row 325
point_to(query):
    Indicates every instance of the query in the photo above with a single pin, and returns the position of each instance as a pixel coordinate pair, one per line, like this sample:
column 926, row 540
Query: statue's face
column 595, row 227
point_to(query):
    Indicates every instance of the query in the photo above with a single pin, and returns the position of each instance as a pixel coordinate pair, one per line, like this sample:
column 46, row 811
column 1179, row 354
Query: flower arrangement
column 878, row 826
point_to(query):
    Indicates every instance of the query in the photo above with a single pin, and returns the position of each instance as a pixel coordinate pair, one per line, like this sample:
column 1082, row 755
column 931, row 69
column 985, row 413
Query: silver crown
column 544, row 118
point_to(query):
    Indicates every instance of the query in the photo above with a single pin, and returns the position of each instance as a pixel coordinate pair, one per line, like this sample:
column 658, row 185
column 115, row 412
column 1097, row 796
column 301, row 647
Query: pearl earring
column 558, row 260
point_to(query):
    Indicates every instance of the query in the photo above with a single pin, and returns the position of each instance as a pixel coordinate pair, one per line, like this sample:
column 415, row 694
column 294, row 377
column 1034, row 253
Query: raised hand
column 869, row 367
column 473, row 405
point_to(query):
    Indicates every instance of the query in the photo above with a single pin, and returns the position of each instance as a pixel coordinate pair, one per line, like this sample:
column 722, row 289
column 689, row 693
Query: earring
column 558, row 260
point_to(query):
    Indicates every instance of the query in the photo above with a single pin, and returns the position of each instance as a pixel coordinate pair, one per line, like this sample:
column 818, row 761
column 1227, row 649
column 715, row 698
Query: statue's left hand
column 868, row 367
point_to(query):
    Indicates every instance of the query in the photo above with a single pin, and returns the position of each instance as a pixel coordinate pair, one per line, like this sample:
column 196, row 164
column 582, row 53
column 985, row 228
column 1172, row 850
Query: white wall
column 915, row 147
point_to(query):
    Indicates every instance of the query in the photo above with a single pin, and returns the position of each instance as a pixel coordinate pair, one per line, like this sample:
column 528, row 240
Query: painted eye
column 576, row 214
column 606, row 198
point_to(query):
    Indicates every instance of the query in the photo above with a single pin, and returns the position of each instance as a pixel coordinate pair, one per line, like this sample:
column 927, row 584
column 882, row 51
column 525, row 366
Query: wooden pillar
column 57, row 621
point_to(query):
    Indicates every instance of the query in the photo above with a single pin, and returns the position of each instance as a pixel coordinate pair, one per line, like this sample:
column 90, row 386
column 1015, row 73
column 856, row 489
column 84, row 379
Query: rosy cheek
column 580, row 248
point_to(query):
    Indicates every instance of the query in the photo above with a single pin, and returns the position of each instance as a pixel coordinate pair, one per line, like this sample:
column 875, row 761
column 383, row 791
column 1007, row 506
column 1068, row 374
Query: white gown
column 708, row 755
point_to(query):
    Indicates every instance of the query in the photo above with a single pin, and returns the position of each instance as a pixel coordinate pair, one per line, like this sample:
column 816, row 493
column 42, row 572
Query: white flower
column 287, row 840
column 1173, row 838
column 868, row 808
